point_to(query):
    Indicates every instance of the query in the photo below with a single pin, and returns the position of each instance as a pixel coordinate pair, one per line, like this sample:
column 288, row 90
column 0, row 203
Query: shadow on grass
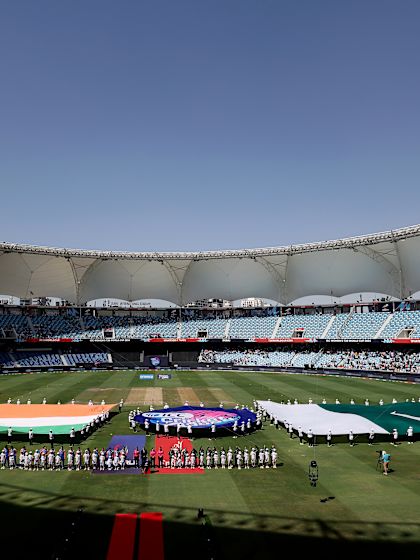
column 59, row 526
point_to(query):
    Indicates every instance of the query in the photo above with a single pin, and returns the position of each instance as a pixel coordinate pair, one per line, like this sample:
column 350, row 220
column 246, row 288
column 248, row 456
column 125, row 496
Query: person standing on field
column 386, row 457
column 300, row 435
column 310, row 438
column 329, row 438
column 410, row 434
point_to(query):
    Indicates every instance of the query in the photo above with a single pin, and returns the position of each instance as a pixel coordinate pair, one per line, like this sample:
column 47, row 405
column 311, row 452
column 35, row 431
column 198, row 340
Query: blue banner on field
column 197, row 417
column 131, row 442
column 146, row 376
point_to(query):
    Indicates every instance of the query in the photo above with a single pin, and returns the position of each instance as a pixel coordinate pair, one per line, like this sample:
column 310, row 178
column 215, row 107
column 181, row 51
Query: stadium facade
column 387, row 263
column 380, row 336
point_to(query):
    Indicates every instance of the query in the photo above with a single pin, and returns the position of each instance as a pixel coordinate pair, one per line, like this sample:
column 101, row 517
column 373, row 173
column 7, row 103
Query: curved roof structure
column 387, row 263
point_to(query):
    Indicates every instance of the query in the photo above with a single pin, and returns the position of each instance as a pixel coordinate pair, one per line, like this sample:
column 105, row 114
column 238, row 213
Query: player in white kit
column 12, row 459
column 267, row 457
column 261, row 458
column 86, row 459
column 230, row 458
column 22, row 456
column 274, row 457
column 102, row 460
column 58, row 462
column 26, row 462
column 3, row 459
column 36, row 460
column 216, row 459
column 43, row 459
column 70, row 460
column 253, row 458
column 95, row 457
column 208, row 458
column 246, row 458
column 50, row 459
column 122, row 460
column 239, row 459
column 78, row 459
column 193, row 460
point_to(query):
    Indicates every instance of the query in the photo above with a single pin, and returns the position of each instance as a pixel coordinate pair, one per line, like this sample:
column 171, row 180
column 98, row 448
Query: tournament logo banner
column 197, row 417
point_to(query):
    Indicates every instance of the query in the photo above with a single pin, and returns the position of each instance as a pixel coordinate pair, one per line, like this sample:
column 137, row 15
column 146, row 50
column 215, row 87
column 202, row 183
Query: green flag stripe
column 389, row 416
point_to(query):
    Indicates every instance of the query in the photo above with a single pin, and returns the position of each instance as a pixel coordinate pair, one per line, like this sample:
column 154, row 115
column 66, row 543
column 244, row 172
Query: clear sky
column 188, row 124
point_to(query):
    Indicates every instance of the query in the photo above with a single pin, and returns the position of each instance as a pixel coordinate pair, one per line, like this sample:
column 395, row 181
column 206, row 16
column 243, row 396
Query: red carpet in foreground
column 167, row 470
column 167, row 443
column 151, row 536
column 121, row 546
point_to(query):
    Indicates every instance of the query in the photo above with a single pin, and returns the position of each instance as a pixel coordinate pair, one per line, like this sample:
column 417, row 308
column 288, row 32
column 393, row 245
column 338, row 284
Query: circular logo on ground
column 197, row 417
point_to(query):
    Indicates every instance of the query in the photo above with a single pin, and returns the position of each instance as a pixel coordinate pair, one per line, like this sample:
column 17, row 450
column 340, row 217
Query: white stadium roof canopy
column 387, row 263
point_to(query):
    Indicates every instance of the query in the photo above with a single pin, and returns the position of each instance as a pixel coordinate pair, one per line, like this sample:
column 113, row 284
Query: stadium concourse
column 285, row 357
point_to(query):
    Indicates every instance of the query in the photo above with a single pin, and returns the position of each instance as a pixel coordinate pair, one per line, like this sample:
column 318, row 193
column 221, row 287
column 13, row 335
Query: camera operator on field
column 383, row 460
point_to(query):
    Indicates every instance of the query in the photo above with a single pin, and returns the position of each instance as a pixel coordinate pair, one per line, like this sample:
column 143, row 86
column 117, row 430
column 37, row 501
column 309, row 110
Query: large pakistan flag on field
column 341, row 418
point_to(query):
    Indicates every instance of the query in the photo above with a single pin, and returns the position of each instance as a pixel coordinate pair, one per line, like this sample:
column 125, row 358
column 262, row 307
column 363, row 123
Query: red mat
column 166, row 443
column 121, row 545
column 167, row 470
column 151, row 536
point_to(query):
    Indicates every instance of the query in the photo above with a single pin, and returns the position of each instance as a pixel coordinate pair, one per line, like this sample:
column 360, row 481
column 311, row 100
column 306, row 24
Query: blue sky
column 188, row 125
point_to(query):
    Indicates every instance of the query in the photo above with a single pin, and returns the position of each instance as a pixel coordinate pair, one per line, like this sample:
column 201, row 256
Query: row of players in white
column 337, row 401
column 76, row 460
column 264, row 457
column 44, row 401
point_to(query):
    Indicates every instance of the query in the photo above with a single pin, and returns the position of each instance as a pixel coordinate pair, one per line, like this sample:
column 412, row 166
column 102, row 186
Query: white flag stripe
column 46, row 421
column 319, row 420
column 410, row 416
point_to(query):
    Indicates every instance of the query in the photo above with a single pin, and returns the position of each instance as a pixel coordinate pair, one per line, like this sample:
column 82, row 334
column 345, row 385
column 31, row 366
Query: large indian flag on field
column 60, row 418
column 341, row 418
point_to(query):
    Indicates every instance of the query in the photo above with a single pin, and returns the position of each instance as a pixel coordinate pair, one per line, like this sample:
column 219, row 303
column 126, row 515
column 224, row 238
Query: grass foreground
column 352, row 508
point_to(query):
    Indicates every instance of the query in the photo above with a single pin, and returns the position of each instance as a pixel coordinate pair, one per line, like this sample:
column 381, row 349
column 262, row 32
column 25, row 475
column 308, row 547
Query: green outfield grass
column 247, row 509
